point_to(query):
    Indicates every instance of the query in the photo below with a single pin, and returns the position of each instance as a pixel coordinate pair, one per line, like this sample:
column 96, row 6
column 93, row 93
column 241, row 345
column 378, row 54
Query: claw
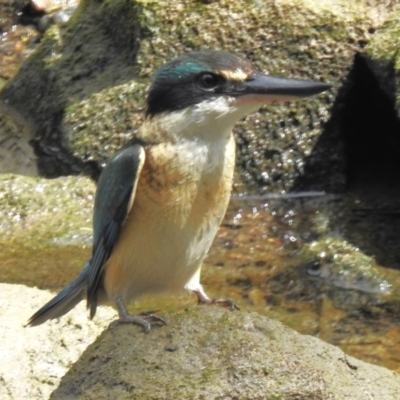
column 225, row 303
column 144, row 319
column 202, row 298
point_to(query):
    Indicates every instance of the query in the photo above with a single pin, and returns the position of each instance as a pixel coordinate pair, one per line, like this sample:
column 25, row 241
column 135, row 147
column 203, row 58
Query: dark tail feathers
column 68, row 298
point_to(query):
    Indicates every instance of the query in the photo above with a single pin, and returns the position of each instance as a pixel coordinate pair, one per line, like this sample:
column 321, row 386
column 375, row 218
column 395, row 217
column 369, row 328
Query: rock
column 49, row 6
column 9, row 11
column 70, row 65
column 16, row 39
column 383, row 57
column 82, row 92
column 35, row 359
column 16, row 154
column 59, row 18
column 45, row 229
column 63, row 207
column 370, row 104
column 338, row 263
column 213, row 353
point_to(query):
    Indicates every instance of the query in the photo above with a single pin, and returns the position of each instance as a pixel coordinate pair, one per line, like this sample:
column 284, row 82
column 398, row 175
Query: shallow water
column 290, row 258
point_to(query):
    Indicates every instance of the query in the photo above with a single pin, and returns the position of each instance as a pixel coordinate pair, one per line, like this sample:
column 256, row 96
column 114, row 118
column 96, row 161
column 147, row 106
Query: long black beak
column 268, row 89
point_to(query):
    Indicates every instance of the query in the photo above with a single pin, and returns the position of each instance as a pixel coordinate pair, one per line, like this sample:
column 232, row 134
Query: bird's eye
column 208, row 81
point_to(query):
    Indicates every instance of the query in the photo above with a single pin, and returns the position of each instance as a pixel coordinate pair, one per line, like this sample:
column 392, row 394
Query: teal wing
column 114, row 198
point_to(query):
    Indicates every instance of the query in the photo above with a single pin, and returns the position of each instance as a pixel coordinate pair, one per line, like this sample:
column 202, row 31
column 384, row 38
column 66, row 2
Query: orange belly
column 180, row 201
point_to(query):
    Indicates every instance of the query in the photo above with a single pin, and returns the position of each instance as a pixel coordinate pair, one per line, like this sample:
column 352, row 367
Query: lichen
column 100, row 125
column 45, row 229
column 283, row 39
column 38, row 211
column 116, row 42
column 384, row 45
column 384, row 56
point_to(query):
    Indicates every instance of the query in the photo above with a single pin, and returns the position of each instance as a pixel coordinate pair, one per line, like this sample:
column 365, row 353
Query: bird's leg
column 202, row 298
column 144, row 319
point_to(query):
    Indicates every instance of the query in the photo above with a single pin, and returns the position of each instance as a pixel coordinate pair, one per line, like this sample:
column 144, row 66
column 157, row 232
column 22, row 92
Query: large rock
column 212, row 353
column 81, row 94
column 368, row 109
column 45, row 229
column 33, row 360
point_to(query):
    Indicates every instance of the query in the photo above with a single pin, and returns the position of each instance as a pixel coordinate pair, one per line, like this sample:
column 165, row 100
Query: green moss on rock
column 66, row 89
column 384, row 45
column 212, row 353
column 345, row 266
column 383, row 56
column 36, row 210
column 45, row 229
column 100, row 125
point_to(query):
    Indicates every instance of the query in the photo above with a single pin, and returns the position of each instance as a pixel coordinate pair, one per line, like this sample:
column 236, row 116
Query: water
column 291, row 258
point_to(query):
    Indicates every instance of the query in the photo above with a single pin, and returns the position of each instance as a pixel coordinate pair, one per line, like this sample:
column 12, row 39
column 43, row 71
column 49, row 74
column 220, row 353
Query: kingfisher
column 160, row 200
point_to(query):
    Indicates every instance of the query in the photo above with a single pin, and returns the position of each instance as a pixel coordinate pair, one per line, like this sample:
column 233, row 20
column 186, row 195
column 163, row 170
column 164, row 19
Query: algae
column 344, row 266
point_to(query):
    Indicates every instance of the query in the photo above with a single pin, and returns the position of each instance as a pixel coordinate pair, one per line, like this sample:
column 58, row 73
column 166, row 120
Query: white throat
column 210, row 120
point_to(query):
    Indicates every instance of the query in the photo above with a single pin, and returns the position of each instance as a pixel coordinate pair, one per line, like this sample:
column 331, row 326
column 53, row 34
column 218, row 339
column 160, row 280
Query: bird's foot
column 144, row 319
column 202, row 298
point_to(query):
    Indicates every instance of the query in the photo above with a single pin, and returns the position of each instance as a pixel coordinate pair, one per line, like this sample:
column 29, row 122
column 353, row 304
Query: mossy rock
column 208, row 352
column 45, row 229
column 383, row 56
column 82, row 91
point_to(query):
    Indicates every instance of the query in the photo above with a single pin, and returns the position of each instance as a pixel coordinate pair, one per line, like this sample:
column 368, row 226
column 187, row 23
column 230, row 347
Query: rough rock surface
column 203, row 353
column 383, row 56
column 33, row 360
column 82, row 92
column 213, row 353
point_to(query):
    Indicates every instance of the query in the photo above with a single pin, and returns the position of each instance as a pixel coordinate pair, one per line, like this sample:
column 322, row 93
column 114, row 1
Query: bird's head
column 218, row 88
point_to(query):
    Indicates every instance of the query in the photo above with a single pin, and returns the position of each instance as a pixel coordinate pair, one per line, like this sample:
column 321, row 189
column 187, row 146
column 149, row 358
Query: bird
column 161, row 198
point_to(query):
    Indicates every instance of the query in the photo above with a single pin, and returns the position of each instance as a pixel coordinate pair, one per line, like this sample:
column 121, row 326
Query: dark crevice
column 371, row 132
column 359, row 148
column 358, row 155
